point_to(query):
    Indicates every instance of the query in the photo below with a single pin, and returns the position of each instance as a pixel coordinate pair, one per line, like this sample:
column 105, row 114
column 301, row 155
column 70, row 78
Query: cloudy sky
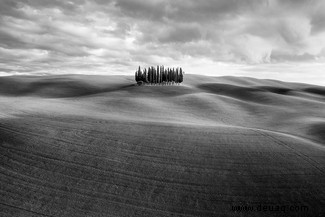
column 276, row 39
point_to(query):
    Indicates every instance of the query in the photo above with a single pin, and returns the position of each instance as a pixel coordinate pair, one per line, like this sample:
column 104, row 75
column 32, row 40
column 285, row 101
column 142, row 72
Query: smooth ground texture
column 101, row 146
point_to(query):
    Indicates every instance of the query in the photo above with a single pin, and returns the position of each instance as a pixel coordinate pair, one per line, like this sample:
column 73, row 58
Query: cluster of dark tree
column 159, row 75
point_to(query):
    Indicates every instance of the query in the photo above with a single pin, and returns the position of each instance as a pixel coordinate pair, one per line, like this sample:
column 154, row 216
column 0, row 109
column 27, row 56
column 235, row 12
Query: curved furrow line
column 36, row 154
column 221, row 197
column 6, row 147
column 90, row 133
column 74, row 142
column 167, row 151
column 150, row 160
column 184, row 189
column 302, row 155
column 219, row 200
column 94, row 135
column 102, row 183
column 121, row 173
column 177, row 163
column 27, row 132
column 297, row 153
column 78, row 152
column 68, row 189
column 128, row 152
column 67, row 142
column 74, row 211
column 26, row 210
column 28, row 158
column 15, row 175
column 119, row 184
column 80, row 201
column 23, row 133
column 65, row 193
column 29, row 166
column 102, row 196
column 98, row 156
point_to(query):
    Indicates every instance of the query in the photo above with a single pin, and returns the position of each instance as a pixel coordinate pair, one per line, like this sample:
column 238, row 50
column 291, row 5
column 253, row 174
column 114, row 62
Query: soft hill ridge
column 82, row 85
column 59, row 87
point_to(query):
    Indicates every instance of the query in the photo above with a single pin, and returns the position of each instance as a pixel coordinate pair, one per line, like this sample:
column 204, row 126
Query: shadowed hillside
column 77, row 145
column 58, row 87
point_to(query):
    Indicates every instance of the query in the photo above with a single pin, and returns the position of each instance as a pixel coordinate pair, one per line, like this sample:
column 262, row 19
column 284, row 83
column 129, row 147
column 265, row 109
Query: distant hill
column 81, row 85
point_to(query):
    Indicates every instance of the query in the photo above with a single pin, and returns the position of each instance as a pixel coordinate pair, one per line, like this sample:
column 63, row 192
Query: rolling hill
column 80, row 145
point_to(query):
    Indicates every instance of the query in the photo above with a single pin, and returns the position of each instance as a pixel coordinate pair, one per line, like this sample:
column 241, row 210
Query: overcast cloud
column 280, row 39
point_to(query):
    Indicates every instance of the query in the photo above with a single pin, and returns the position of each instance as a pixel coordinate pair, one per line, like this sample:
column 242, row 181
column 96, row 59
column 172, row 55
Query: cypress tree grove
column 159, row 75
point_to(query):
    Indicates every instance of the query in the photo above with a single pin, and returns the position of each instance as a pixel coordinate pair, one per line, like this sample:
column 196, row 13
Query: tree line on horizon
column 159, row 75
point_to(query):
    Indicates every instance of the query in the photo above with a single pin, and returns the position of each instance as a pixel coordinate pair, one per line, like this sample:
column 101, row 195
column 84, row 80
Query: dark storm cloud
column 181, row 34
column 107, row 35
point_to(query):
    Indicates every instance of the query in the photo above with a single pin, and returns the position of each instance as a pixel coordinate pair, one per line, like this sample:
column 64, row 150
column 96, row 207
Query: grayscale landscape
column 78, row 145
column 162, row 108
